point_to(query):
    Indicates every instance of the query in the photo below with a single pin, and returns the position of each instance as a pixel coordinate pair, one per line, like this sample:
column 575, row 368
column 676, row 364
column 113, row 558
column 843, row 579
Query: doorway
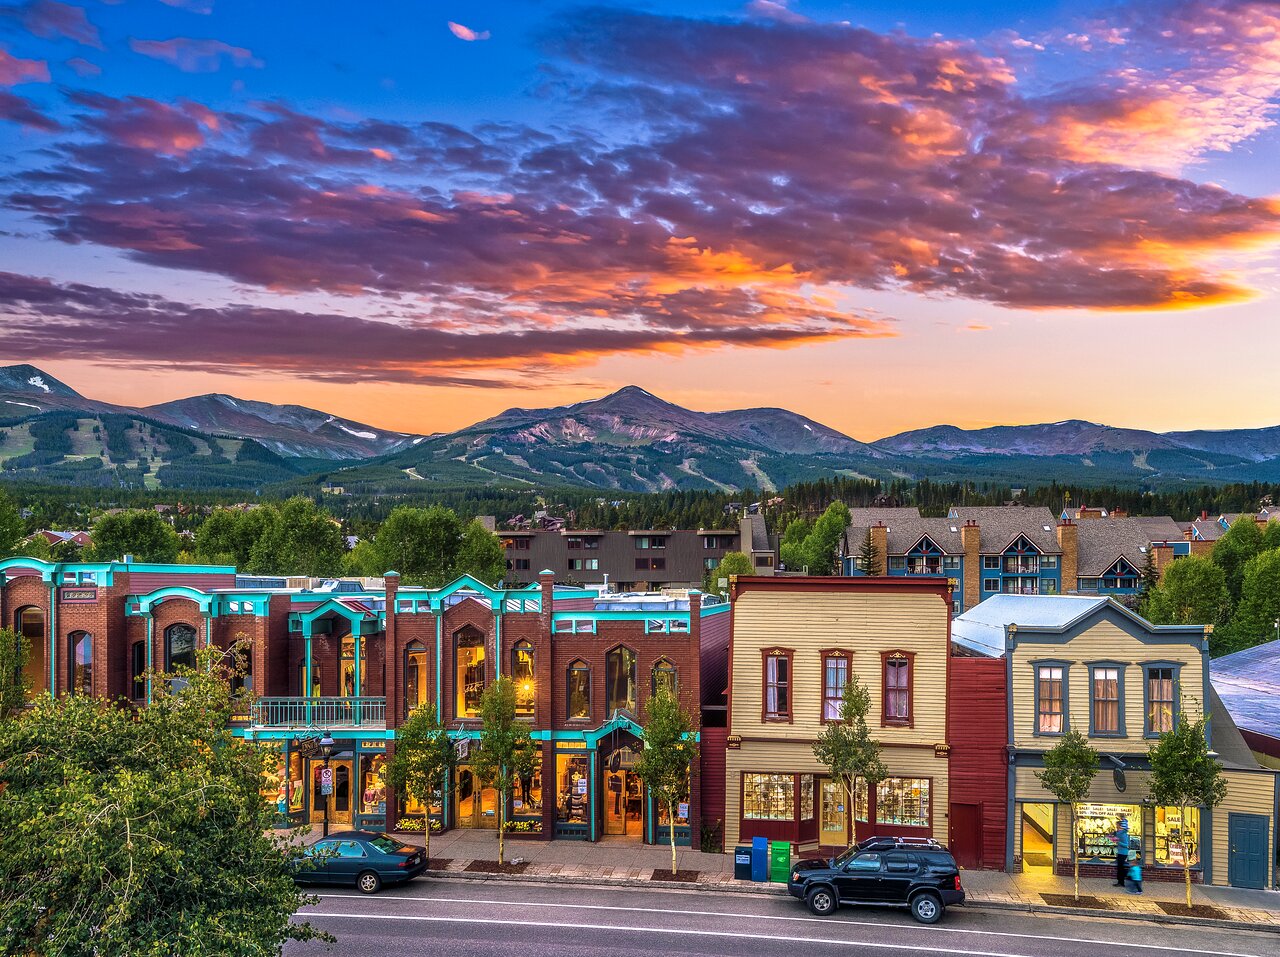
column 966, row 835
column 1037, row 837
column 833, row 815
column 339, row 802
column 623, row 798
column 1247, row 850
column 477, row 804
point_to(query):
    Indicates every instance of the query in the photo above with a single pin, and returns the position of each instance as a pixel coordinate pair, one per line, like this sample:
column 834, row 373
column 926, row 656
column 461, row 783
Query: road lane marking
column 798, row 919
column 733, row 935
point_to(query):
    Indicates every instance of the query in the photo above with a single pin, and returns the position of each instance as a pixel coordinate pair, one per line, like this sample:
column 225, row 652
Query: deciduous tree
column 1069, row 769
column 423, row 759
column 848, row 749
column 1232, row 551
column 144, row 534
column 668, row 756
column 505, row 752
column 481, row 555
column 299, row 539
column 1193, row 592
column 730, row 564
column 1255, row 618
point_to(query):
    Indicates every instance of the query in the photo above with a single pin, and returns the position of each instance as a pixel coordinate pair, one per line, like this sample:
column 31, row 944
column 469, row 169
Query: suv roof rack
column 892, row 841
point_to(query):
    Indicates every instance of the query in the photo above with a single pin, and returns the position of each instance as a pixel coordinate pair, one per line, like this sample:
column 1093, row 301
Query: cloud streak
column 195, row 55
column 466, row 33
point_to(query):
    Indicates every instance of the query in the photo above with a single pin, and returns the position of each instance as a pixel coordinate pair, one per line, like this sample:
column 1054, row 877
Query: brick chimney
column 1068, row 535
column 971, row 540
column 880, row 538
column 547, row 580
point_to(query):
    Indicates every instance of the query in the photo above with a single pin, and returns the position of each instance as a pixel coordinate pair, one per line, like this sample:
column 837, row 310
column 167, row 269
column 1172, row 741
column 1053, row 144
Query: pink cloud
column 83, row 67
column 14, row 70
column 193, row 6
column 774, row 10
column 466, row 33
column 193, row 55
column 50, row 20
column 140, row 123
column 15, row 109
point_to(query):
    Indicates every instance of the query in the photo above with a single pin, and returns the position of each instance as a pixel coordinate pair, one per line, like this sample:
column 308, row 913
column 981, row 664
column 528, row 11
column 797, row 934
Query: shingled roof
column 1001, row 524
column 1104, row 540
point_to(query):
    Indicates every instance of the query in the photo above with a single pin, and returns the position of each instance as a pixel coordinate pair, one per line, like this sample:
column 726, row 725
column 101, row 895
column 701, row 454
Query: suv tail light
column 958, row 887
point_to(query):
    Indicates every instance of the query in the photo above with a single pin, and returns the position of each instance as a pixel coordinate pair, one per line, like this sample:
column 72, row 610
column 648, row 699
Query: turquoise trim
column 637, row 615
column 145, row 602
column 356, row 618
column 46, row 569
column 189, row 569
column 287, row 734
column 709, row 610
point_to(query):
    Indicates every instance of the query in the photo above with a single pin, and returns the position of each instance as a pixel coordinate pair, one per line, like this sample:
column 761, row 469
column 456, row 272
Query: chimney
column 971, row 540
column 1204, row 515
column 1068, row 535
column 880, row 538
column 547, row 580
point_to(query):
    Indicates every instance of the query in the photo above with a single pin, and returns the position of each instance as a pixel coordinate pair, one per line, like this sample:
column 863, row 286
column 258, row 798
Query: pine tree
column 869, row 555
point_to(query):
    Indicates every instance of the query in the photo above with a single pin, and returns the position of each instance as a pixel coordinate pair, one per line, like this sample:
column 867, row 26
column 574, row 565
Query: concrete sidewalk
column 467, row 854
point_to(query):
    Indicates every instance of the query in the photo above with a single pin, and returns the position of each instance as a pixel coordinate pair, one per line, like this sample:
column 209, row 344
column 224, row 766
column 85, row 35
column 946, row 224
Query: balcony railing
column 1022, row 566
column 363, row 712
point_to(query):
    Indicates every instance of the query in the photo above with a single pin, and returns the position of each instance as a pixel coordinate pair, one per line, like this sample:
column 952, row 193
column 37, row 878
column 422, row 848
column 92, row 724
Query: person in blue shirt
column 1122, row 850
column 1135, row 874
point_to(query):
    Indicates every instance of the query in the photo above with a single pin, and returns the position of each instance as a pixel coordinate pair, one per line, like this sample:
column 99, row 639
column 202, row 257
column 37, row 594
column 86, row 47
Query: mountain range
column 630, row 440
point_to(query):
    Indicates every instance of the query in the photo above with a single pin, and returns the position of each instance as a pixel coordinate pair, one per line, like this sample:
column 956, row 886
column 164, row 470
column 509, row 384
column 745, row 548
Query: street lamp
column 326, row 748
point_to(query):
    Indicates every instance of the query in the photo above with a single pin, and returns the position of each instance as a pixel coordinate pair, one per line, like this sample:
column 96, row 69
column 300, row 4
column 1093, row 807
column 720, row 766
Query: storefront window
column 620, row 680
column 522, row 675
column 664, row 677
column 81, row 663
column 526, row 796
column 1177, row 837
column 469, row 672
column 682, row 813
column 860, row 796
column 806, row 797
column 30, row 624
column 768, row 797
column 579, row 690
column 415, row 675
column 295, row 782
column 903, row 801
column 572, row 783
column 1096, row 827
column 373, row 784
column 275, row 780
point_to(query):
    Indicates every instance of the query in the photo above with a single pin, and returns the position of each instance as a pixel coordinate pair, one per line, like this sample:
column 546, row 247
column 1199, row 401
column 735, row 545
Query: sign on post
column 326, row 781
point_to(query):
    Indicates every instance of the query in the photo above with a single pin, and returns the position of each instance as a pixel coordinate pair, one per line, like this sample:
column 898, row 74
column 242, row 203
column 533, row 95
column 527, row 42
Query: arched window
column 415, row 676
column 620, row 679
column 579, row 690
column 664, row 677
column 468, row 677
column 179, row 646
column 29, row 623
column 81, row 659
column 522, row 675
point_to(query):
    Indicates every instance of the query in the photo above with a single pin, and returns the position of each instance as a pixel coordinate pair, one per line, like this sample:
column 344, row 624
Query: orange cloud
column 466, row 33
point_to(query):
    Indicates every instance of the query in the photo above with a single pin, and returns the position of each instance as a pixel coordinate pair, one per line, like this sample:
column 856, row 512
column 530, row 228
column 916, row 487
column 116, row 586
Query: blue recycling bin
column 760, row 859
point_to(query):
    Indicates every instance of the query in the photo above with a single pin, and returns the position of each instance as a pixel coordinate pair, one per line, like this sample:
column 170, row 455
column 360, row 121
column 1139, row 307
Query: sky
column 418, row 213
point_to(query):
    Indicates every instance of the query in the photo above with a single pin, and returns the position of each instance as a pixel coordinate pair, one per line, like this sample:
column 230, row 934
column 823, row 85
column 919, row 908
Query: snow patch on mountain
column 38, row 382
column 358, row 435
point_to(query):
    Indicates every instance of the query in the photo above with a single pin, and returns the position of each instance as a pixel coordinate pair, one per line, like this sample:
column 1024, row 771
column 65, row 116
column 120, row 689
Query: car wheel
column 926, row 908
column 821, row 901
column 369, row 882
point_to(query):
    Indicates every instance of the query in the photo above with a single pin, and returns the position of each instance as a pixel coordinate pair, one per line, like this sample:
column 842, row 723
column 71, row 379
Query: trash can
column 742, row 862
column 780, row 861
column 759, row 858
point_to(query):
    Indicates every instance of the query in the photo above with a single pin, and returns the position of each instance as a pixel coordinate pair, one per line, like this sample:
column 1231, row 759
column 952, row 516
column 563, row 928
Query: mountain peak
column 27, row 378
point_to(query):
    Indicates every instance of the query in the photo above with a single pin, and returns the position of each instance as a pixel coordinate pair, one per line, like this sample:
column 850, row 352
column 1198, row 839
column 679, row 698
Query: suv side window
column 864, row 863
column 938, row 861
column 900, row 863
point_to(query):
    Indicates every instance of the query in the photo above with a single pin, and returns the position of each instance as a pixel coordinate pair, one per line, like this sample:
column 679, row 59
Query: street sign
column 463, row 748
column 326, row 781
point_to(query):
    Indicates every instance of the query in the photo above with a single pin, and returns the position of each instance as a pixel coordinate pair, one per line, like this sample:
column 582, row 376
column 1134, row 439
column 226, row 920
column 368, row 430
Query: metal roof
column 1248, row 682
column 981, row 628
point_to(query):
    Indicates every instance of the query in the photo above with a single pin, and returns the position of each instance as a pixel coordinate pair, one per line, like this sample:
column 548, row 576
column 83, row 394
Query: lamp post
column 326, row 748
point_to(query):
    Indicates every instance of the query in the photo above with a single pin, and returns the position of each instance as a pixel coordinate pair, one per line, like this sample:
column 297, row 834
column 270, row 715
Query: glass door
column 833, row 815
column 477, row 804
column 615, row 802
column 339, row 802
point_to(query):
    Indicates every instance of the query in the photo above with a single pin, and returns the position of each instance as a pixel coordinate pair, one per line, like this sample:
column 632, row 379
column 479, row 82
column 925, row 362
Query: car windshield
column 385, row 844
column 844, row 857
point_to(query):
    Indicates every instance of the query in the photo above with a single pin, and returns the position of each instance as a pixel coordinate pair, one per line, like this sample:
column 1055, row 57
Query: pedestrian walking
column 1122, row 850
column 1135, row 874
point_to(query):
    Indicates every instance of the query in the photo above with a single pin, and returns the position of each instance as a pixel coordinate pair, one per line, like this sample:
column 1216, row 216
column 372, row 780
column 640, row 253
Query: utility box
column 742, row 862
column 780, row 861
column 760, row 859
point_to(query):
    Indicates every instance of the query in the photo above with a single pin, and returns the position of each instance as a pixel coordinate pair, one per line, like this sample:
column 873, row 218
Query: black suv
column 884, row 872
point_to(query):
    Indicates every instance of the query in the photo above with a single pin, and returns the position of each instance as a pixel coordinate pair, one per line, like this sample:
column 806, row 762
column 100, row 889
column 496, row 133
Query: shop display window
column 349, row 683
column 415, row 675
column 522, row 675
column 526, row 796
column 573, row 801
column 579, row 684
column 903, row 801
column 469, row 672
column 1177, row 836
column 806, row 797
column 682, row 813
column 1096, row 827
column 373, row 784
column 768, row 797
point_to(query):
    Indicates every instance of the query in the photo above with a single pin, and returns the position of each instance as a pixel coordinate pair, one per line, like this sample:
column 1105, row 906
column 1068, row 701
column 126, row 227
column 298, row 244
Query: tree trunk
column 1075, row 855
column 426, row 833
column 850, row 820
column 502, row 824
column 1186, row 861
column 671, row 830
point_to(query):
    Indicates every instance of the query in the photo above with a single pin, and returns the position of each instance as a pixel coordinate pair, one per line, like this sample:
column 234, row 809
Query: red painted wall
column 977, row 729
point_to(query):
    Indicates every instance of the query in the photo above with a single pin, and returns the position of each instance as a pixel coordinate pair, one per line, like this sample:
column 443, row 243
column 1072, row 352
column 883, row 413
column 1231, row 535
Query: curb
column 777, row 890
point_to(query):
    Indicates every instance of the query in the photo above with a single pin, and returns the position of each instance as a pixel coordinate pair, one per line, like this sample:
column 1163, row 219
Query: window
column 897, row 563
column 806, row 797
column 586, row 564
column 572, row 543
column 522, row 675
column 764, row 561
column 350, row 686
column 903, row 801
column 777, row 684
column 642, row 564
column 179, row 647
column 372, row 796
column 991, row 562
column 897, row 687
column 1049, row 561
column 651, row 541
column 138, row 670
column 81, row 658
column 519, row 544
column 865, row 862
column 1162, row 702
column 620, row 680
column 710, row 563
column 1106, row 716
column 664, row 677
column 468, row 672
column 768, row 797
column 29, row 623
column 657, row 564
column 990, row 584
column 1049, row 586
column 1177, row 837
column 591, row 544
column 955, row 607
column 521, row 564
column 951, row 562
column 835, row 673
column 526, row 792
column 415, row 676
column 1050, row 699
column 572, row 781
column 579, row 690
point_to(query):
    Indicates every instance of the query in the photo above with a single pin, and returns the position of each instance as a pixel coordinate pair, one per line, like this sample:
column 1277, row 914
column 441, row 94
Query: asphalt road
column 449, row 918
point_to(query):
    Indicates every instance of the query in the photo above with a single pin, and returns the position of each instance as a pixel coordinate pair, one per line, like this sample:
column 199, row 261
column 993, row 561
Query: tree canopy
column 1193, row 592
column 143, row 534
column 1069, row 769
column 847, row 747
column 668, row 756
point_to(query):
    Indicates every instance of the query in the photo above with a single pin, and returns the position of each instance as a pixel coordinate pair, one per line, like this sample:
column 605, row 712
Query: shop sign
column 733, row 742
column 582, row 785
column 78, row 595
column 941, row 750
column 307, row 747
column 373, row 745
column 382, row 808
column 682, row 810
column 463, row 748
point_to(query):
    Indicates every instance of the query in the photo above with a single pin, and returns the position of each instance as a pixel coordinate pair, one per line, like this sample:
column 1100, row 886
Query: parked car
column 884, row 872
column 362, row 859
